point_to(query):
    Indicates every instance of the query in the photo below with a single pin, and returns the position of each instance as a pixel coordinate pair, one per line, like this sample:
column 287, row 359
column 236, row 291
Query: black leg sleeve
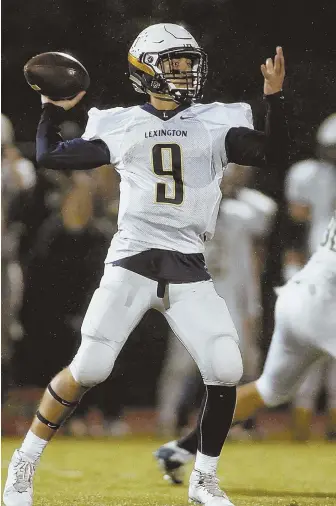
column 215, row 418
column 214, row 421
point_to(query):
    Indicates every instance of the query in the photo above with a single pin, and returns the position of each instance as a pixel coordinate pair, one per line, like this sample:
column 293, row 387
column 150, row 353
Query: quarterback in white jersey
column 170, row 154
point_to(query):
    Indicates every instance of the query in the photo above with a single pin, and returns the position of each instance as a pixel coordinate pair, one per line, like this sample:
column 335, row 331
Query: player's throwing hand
column 274, row 73
column 66, row 104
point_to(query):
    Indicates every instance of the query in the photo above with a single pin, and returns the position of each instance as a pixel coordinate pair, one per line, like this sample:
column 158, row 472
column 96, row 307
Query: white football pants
column 321, row 374
column 305, row 331
column 178, row 364
column 194, row 311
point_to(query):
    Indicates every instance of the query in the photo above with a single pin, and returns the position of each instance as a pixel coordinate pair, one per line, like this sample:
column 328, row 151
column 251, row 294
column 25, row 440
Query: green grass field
column 122, row 472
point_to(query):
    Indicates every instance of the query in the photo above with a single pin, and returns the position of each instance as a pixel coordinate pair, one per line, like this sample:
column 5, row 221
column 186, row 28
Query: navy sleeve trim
column 54, row 153
column 262, row 149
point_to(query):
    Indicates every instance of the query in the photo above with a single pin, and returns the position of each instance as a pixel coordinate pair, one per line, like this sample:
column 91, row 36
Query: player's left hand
column 274, row 73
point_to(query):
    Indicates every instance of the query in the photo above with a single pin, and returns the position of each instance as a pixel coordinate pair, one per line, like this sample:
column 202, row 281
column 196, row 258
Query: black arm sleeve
column 261, row 149
column 77, row 154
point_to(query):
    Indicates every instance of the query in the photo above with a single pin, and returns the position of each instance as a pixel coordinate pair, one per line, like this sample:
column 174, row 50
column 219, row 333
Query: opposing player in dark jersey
column 170, row 154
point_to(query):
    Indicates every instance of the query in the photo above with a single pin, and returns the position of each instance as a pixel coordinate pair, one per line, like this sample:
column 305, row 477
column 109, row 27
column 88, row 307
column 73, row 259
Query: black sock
column 189, row 442
column 214, row 421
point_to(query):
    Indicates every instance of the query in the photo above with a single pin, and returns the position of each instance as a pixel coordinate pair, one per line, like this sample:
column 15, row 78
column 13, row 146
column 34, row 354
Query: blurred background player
column 61, row 284
column 17, row 180
column 310, row 191
column 296, row 345
column 234, row 263
column 297, row 342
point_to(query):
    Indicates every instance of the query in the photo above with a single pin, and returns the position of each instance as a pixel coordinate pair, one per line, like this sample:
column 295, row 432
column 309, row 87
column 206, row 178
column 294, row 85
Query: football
column 58, row 76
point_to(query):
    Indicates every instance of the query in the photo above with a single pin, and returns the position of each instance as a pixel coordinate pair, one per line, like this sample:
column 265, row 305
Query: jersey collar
column 164, row 115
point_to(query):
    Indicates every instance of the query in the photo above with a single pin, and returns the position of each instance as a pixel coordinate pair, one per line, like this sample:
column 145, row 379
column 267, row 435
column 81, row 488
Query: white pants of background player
column 305, row 331
column 321, row 374
column 194, row 311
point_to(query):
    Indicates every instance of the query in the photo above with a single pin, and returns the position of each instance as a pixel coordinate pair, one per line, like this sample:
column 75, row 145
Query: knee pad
column 225, row 362
column 93, row 362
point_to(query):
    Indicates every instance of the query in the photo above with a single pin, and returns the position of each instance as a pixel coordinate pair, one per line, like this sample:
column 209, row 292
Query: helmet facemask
column 159, row 74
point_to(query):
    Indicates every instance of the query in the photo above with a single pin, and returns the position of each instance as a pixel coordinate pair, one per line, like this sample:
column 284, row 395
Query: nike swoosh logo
column 186, row 117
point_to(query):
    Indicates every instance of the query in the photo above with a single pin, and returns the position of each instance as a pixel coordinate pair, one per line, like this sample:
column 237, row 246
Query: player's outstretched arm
column 269, row 148
column 53, row 153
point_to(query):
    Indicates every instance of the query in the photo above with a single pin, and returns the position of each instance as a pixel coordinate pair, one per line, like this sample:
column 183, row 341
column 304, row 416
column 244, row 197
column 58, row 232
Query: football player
column 297, row 343
column 18, row 178
column 310, row 191
column 170, row 154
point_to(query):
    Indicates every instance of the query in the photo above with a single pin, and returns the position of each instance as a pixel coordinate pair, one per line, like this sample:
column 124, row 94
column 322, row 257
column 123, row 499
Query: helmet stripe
column 141, row 66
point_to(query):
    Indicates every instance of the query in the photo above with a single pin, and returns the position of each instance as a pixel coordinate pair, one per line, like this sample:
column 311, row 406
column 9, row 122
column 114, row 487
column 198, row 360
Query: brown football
column 58, row 76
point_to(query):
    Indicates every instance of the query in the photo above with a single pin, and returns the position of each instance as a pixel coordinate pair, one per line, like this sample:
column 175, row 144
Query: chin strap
column 170, row 98
column 160, row 96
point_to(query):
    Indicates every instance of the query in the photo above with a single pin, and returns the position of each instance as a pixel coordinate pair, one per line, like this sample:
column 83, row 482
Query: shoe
column 204, row 489
column 18, row 490
column 172, row 459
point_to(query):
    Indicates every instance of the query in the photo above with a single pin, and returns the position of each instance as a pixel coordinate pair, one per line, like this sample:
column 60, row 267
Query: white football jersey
column 321, row 267
column 170, row 173
column 229, row 258
column 263, row 210
column 313, row 182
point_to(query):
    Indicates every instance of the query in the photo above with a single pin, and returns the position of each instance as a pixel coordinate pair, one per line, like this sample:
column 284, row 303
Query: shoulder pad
column 234, row 115
column 101, row 121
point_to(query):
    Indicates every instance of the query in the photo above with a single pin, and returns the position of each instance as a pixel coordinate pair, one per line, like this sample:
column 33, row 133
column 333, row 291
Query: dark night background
column 238, row 36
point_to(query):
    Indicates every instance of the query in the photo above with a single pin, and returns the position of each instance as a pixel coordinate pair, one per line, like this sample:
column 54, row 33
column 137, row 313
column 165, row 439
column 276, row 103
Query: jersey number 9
column 167, row 162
